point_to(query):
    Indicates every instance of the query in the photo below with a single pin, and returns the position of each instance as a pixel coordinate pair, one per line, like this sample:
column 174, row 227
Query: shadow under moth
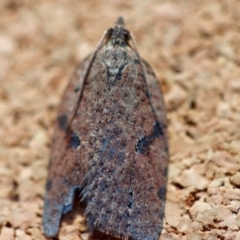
column 110, row 143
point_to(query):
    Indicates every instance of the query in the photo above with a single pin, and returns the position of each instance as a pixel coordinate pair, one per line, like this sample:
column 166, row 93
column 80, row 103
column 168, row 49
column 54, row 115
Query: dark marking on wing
column 76, row 89
column 130, row 201
column 62, row 121
column 165, row 171
column 162, row 192
column 144, row 143
column 157, row 132
column 118, row 76
column 147, row 94
column 49, row 184
column 74, row 140
column 162, row 212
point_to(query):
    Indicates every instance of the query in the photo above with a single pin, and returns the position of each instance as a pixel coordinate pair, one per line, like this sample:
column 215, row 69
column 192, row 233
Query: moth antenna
column 99, row 45
column 136, row 51
column 134, row 44
column 120, row 22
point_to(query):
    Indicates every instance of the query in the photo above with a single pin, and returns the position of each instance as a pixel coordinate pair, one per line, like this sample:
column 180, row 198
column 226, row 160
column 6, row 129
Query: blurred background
column 193, row 47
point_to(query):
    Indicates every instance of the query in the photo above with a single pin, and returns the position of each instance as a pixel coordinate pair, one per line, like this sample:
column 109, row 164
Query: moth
column 110, row 143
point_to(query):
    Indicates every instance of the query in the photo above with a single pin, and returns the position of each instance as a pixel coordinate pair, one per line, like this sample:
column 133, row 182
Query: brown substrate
column 194, row 48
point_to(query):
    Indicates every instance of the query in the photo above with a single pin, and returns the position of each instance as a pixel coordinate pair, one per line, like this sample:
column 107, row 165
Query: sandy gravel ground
column 194, row 48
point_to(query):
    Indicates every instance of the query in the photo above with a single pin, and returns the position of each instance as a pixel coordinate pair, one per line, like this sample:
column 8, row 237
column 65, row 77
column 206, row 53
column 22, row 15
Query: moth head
column 120, row 22
column 119, row 34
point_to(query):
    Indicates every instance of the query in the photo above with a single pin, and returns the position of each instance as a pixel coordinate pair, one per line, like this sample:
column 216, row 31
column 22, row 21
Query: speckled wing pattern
column 110, row 143
column 65, row 168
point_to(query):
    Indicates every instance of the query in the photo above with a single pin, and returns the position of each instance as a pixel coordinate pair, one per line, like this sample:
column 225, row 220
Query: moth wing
column 65, row 172
column 126, row 183
column 150, row 223
column 150, row 220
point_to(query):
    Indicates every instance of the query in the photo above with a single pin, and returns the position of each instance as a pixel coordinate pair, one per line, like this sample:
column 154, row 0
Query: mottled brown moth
column 110, row 143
